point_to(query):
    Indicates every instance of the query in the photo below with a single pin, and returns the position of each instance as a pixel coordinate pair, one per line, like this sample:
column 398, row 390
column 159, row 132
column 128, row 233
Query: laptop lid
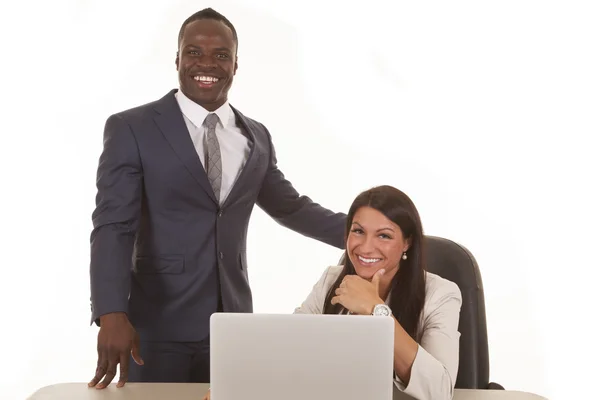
column 300, row 357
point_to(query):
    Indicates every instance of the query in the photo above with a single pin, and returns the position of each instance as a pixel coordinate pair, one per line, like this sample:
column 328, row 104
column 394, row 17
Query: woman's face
column 374, row 242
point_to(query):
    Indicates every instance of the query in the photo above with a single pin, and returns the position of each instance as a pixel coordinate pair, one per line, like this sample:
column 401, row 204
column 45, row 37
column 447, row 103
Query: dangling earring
column 404, row 256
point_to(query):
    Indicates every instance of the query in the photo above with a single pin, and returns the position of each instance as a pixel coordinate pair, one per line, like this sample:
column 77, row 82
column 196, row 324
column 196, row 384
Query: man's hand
column 116, row 340
column 358, row 295
column 207, row 397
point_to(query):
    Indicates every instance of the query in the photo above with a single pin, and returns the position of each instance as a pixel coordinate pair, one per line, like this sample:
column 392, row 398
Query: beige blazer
column 434, row 370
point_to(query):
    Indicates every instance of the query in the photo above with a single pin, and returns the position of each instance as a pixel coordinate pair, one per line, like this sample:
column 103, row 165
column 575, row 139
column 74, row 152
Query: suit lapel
column 172, row 125
column 250, row 164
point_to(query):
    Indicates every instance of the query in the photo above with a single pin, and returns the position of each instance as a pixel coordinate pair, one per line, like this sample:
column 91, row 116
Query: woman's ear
column 407, row 244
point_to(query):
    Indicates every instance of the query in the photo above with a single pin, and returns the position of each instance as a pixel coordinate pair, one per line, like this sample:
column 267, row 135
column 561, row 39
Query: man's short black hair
column 207, row 13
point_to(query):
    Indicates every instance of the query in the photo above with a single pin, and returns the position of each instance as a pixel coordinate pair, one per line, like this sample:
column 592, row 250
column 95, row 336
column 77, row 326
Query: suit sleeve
column 115, row 219
column 279, row 199
column 433, row 373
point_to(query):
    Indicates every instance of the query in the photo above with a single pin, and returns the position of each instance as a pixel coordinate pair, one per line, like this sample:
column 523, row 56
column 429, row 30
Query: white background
column 485, row 113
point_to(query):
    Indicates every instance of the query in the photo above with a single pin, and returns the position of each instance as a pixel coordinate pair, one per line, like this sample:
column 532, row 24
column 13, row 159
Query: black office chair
column 455, row 263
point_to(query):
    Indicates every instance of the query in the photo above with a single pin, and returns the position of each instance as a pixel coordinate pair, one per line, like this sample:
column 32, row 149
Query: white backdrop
column 485, row 113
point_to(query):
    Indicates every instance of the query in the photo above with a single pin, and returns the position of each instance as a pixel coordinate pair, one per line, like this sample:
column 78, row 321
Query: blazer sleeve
column 433, row 373
column 115, row 219
column 313, row 304
column 278, row 198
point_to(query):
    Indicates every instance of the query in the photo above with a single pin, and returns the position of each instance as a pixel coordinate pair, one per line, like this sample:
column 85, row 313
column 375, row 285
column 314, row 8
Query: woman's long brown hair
column 407, row 295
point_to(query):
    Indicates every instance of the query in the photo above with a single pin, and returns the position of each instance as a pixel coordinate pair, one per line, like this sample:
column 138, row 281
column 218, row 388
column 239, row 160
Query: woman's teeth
column 368, row 260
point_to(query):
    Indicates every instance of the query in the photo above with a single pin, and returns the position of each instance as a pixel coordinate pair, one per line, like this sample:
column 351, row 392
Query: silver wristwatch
column 382, row 310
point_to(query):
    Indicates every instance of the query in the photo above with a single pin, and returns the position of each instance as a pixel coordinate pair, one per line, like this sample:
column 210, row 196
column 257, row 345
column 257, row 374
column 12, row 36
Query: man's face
column 207, row 62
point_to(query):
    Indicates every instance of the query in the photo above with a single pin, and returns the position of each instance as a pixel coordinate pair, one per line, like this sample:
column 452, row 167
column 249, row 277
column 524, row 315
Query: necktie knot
column 211, row 120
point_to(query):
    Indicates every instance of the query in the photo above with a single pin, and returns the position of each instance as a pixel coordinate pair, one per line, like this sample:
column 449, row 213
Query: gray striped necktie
column 212, row 154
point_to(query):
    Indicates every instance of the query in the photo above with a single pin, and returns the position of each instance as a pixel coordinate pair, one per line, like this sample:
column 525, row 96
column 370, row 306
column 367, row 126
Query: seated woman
column 385, row 260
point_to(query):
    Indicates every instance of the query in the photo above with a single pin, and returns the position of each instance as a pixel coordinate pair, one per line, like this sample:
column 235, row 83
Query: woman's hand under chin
column 358, row 295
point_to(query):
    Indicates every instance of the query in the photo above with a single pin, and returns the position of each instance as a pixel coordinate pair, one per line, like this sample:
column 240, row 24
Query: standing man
column 177, row 181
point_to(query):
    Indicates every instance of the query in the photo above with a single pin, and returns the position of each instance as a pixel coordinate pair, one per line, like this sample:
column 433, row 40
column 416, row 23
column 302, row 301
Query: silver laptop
column 301, row 357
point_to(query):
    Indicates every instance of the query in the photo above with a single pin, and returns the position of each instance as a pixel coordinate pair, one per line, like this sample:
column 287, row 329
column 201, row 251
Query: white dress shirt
column 234, row 146
column 433, row 373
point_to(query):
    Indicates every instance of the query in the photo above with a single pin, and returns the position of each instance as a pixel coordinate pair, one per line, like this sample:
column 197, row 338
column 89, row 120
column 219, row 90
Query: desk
column 196, row 391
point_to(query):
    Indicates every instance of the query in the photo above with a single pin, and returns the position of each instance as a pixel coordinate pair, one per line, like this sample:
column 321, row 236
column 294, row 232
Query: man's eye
column 193, row 52
column 223, row 56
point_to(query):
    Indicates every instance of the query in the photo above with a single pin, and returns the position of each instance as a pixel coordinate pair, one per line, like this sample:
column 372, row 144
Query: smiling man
column 177, row 181
column 207, row 60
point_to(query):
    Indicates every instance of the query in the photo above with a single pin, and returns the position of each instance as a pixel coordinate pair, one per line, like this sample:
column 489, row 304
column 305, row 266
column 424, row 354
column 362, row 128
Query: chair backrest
column 455, row 263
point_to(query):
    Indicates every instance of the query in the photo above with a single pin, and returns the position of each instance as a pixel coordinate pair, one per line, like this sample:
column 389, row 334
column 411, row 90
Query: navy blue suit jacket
column 162, row 247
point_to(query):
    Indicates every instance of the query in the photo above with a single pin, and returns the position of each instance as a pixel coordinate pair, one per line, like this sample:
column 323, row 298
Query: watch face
column 382, row 309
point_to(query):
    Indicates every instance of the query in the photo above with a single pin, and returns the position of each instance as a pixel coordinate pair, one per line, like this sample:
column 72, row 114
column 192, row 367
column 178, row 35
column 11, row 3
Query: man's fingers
column 111, row 371
column 100, row 370
column 135, row 350
column 123, row 369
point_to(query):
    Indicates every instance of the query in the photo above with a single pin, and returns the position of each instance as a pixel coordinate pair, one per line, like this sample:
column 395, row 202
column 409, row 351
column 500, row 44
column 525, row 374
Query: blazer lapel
column 250, row 164
column 170, row 122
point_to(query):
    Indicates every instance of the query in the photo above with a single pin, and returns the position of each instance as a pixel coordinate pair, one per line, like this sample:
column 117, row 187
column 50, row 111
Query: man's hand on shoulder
column 117, row 339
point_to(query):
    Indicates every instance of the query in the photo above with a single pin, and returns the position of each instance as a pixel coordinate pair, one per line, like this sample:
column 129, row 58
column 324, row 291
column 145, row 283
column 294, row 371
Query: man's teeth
column 369, row 260
column 206, row 79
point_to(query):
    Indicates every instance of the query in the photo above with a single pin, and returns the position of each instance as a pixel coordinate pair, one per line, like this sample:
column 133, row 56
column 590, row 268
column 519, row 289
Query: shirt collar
column 197, row 114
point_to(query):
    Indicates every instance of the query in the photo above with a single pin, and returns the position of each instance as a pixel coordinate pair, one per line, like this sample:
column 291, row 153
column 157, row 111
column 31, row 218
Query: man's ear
column 177, row 61
column 235, row 67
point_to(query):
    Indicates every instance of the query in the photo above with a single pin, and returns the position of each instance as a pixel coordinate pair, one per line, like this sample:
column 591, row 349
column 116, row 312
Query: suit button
column 220, row 213
column 221, row 255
